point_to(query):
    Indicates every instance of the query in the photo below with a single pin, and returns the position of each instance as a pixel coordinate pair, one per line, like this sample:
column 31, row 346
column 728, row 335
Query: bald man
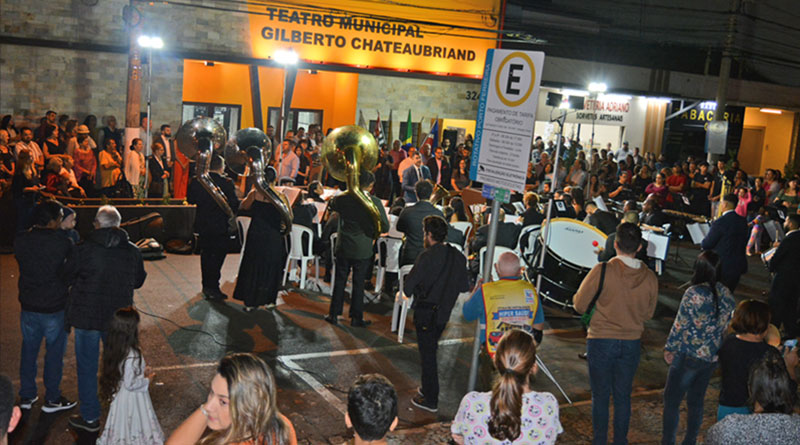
column 511, row 300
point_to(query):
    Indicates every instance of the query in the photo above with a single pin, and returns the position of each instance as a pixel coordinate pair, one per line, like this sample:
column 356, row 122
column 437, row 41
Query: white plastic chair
column 333, row 259
column 402, row 304
column 388, row 258
column 498, row 250
column 301, row 252
column 457, row 247
column 244, row 225
column 466, row 228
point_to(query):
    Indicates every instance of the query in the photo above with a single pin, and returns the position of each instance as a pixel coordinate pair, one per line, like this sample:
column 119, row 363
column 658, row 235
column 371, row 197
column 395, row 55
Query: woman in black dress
column 261, row 268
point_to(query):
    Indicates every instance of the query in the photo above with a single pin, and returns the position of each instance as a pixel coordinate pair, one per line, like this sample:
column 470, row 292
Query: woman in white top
column 511, row 412
column 134, row 168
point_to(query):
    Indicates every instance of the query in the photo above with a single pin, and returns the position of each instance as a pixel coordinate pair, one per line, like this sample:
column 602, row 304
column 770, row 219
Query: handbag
column 586, row 318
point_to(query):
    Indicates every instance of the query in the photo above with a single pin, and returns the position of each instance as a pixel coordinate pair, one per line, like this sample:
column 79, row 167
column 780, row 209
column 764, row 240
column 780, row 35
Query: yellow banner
column 508, row 304
column 446, row 37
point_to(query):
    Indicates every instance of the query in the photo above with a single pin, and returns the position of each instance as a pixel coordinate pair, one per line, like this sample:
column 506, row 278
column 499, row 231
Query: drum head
column 573, row 241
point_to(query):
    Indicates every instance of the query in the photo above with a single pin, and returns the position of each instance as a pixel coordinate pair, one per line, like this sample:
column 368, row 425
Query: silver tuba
column 202, row 137
column 250, row 149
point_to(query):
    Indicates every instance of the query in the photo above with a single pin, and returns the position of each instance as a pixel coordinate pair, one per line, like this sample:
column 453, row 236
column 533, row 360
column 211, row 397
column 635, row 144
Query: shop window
column 229, row 116
column 298, row 117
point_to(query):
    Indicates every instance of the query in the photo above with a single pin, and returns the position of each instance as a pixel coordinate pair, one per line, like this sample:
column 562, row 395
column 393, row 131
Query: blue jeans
column 723, row 411
column 612, row 365
column 87, row 354
column 687, row 376
column 36, row 325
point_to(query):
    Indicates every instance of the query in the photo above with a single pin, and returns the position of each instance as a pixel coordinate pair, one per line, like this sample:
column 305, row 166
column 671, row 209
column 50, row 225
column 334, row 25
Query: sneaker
column 332, row 319
column 419, row 402
column 79, row 423
column 27, row 403
column 59, row 405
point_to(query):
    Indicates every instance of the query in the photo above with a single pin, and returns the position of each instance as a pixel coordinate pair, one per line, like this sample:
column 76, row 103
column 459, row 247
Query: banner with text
column 506, row 116
column 407, row 36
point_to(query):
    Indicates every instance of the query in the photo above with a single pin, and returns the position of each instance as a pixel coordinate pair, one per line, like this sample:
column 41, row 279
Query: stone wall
column 426, row 99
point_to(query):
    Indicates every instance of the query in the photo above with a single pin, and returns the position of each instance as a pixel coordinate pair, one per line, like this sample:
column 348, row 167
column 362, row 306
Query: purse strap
column 599, row 288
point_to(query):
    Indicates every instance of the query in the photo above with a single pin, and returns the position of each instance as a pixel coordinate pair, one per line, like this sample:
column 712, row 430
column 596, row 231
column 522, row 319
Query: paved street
column 184, row 336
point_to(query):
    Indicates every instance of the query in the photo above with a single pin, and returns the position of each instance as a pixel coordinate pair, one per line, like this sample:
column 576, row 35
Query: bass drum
column 571, row 254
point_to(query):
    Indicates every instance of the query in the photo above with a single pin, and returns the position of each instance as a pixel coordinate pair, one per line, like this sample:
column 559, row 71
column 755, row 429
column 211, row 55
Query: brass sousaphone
column 346, row 151
column 201, row 138
column 246, row 154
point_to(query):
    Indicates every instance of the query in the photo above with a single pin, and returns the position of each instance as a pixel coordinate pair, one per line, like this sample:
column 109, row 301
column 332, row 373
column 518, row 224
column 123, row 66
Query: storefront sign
column 506, row 116
column 603, row 110
column 410, row 36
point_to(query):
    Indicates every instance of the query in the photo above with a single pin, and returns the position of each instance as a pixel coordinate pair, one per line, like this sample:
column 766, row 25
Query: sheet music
column 519, row 207
column 291, row 193
column 600, row 203
column 657, row 245
column 321, row 206
column 696, row 232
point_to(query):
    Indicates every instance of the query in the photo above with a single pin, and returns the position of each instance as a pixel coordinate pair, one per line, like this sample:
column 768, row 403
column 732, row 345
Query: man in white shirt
column 405, row 163
column 623, row 152
column 27, row 142
column 134, row 167
column 290, row 163
column 440, row 169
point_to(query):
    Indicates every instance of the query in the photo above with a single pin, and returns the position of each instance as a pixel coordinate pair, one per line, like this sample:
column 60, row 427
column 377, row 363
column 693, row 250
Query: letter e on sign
column 516, row 78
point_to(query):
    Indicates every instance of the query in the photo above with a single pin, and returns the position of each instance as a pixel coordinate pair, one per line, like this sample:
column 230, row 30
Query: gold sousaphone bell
column 346, row 151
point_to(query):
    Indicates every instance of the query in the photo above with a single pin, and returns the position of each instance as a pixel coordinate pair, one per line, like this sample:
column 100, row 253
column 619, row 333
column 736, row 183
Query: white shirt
column 290, row 165
column 167, row 151
column 33, row 147
column 133, row 164
column 439, row 174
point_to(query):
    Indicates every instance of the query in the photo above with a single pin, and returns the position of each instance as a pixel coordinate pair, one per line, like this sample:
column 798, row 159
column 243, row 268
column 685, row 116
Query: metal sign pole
column 487, row 277
column 553, row 188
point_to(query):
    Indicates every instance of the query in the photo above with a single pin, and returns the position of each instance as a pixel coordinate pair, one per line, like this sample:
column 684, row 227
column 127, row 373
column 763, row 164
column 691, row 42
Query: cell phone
column 791, row 343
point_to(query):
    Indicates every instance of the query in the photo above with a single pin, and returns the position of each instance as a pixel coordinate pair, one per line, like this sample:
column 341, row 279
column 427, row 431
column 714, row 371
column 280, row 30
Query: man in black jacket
column 211, row 225
column 728, row 237
column 110, row 268
column 354, row 250
column 605, row 221
column 438, row 276
column 784, row 295
column 47, row 260
column 507, row 234
column 410, row 222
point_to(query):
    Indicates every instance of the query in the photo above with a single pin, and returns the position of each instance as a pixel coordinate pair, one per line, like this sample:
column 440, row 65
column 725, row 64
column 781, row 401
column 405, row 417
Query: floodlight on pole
column 151, row 43
column 286, row 57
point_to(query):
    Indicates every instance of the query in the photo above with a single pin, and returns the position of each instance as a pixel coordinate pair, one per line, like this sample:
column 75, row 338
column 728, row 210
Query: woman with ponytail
column 692, row 346
column 511, row 412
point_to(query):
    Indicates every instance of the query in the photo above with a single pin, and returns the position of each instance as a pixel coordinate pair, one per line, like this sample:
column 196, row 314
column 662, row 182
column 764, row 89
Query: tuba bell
column 246, row 154
column 439, row 194
column 345, row 152
column 201, row 138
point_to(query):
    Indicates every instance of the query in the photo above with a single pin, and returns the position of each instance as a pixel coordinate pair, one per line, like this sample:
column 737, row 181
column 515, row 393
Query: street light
column 595, row 88
column 288, row 58
column 151, row 43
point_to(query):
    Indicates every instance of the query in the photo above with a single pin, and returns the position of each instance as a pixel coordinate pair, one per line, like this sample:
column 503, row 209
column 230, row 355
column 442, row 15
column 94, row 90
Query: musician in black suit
column 440, row 169
column 410, row 221
column 728, row 237
column 411, row 176
column 507, row 234
column 211, row 225
column 605, row 221
column 784, row 295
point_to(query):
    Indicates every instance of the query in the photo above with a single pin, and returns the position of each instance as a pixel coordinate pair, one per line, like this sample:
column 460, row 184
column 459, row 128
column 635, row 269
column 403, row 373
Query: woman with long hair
column 773, row 397
column 51, row 144
column 241, row 408
column 659, row 189
column 789, row 196
column 460, row 179
column 517, row 414
column 7, row 123
column 692, row 346
column 459, row 210
column 25, row 188
column 124, row 383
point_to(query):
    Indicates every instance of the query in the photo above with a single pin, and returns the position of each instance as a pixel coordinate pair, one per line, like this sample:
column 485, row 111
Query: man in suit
column 440, row 169
column 211, row 225
column 410, row 222
column 166, row 140
column 507, row 234
column 728, row 237
column 605, row 221
column 785, row 290
column 414, row 174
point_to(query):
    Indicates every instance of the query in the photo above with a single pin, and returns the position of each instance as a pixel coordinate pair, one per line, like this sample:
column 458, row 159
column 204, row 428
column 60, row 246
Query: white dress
column 131, row 417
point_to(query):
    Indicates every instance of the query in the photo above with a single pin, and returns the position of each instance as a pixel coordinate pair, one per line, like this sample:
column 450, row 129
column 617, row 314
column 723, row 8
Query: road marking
column 314, row 384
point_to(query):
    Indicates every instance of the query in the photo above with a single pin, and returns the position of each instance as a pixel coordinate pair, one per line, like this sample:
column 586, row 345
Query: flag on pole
column 390, row 133
column 379, row 136
column 407, row 136
column 361, row 122
column 432, row 138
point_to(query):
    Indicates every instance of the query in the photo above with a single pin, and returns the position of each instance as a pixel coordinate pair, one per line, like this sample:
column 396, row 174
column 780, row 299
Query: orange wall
column 223, row 83
column 777, row 136
column 229, row 83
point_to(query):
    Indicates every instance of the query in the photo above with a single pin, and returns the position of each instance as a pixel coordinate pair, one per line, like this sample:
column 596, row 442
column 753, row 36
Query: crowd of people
column 68, row 290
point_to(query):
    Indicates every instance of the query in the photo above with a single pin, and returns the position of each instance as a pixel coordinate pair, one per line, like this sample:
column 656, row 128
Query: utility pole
column 134, row 97
column 725, row 67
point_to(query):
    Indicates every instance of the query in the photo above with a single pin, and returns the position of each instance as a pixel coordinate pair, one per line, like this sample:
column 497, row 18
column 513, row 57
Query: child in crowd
column 125, row 379
column 371, row 409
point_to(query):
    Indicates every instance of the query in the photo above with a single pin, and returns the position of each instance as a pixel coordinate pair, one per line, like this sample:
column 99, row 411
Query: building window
column 229, row 116
column 298, row 117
